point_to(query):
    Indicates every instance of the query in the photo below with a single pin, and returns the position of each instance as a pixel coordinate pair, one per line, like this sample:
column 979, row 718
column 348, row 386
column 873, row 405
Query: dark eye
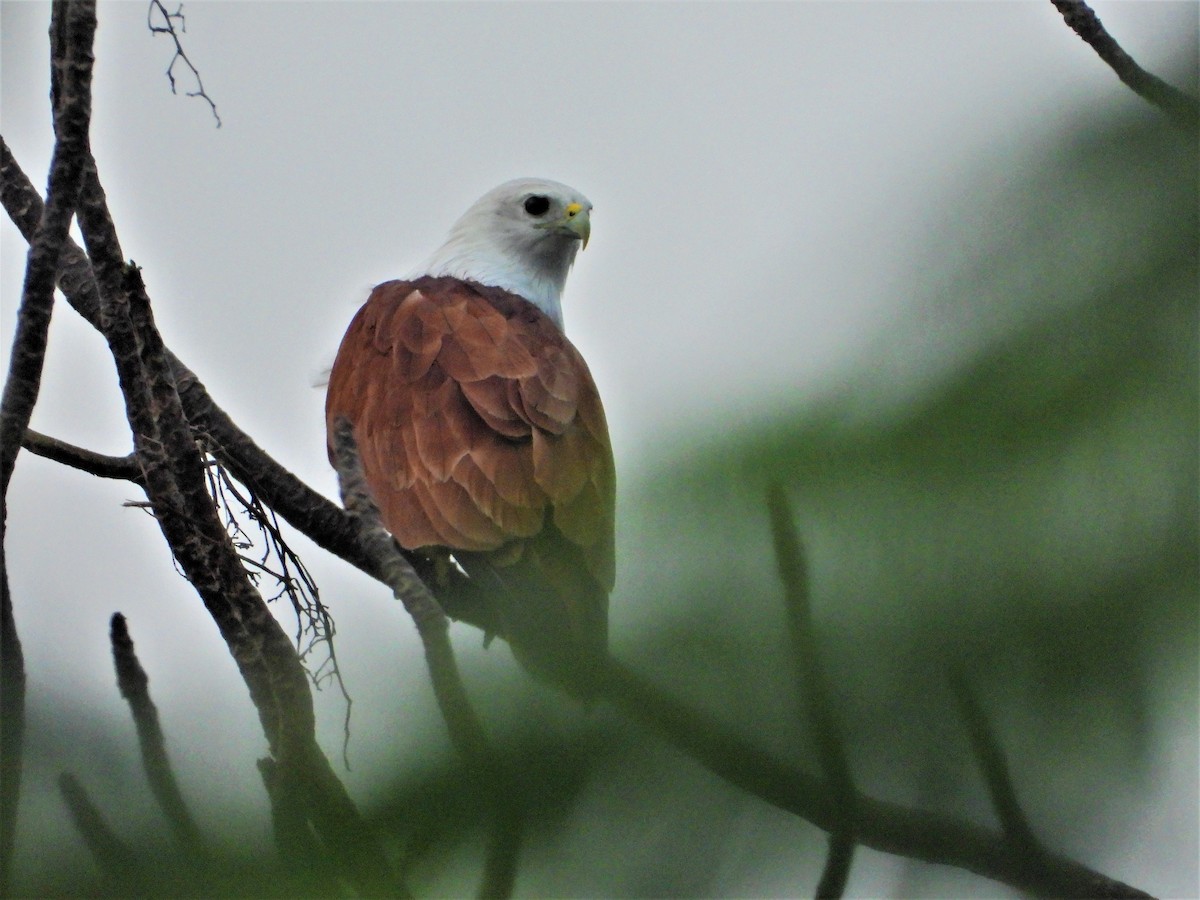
column 537, row 205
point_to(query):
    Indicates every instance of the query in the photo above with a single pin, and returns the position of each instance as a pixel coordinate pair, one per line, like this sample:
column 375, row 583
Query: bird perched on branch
column 480, row 429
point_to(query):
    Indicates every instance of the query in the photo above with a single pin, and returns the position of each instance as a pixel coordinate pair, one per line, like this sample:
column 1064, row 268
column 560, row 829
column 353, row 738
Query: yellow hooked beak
column 576, row 222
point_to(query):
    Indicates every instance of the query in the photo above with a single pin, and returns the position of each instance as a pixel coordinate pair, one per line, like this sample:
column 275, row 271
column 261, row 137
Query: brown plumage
column 481, row 431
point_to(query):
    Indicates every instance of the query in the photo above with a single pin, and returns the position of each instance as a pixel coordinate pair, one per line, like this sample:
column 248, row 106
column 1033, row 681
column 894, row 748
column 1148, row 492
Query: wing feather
column 478, row 422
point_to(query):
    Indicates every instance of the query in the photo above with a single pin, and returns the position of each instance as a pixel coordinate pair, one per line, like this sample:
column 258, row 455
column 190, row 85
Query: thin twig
column 135, row 688
column 994, row 768
column 464, row 726
column 315, row 627
column 827, row 732
column 168, row 28
column 1182, row 108
column 122, row 468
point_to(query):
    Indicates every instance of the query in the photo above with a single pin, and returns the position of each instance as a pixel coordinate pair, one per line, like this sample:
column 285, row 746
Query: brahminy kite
column 480, row 429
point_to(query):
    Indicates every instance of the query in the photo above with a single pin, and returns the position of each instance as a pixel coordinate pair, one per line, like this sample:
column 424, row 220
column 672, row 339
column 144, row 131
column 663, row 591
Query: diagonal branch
column 135, row 688
column 884, row 826
column 1182, row 108
column 310, row 512
column 994, row 768
column 827, row 732
column 462, row 722
column 112, row 855
column 72, row 29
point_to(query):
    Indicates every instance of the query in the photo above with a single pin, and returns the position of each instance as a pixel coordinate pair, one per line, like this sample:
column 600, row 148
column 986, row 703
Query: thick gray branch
column 72, row 28
column 123, row 468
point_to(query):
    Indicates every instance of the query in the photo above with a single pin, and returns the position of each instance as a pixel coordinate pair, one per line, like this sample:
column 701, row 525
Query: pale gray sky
column 763, row 177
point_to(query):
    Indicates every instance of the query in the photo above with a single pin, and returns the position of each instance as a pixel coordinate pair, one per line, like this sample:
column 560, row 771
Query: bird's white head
column 522, row 237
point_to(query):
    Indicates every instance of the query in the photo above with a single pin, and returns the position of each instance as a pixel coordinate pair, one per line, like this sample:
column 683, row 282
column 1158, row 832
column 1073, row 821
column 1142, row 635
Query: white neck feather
column 538, row 277
column 501, row 242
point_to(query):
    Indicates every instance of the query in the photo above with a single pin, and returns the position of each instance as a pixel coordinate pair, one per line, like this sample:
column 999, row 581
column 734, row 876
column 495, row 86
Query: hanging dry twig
column 167, row 27
column 315, row 628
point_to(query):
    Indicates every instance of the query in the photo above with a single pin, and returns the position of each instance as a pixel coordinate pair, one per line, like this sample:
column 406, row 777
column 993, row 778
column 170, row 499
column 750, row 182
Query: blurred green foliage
column 1012, row 489
column 1028, row 512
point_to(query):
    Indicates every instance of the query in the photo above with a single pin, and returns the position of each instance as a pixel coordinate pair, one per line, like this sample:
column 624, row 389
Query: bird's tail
column 552, row 610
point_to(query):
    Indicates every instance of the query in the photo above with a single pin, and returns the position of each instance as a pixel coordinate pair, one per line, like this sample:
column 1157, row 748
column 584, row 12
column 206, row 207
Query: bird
column 480, row 430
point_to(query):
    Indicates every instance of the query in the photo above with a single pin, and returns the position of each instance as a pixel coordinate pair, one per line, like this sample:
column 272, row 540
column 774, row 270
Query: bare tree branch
column 1182, row 108
column 432, row 625
column 827, row 731
column 121, row 468
column 884, row 826
column 72, row 29
column 168, row 28
column 462, row 722
column 994, row 768
column 111, row 854
column 310, row 512
column 135, row 688
column 12, row 724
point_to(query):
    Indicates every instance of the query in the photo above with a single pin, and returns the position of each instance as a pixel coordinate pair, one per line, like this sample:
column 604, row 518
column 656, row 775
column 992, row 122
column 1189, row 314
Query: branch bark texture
column 72, row 30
